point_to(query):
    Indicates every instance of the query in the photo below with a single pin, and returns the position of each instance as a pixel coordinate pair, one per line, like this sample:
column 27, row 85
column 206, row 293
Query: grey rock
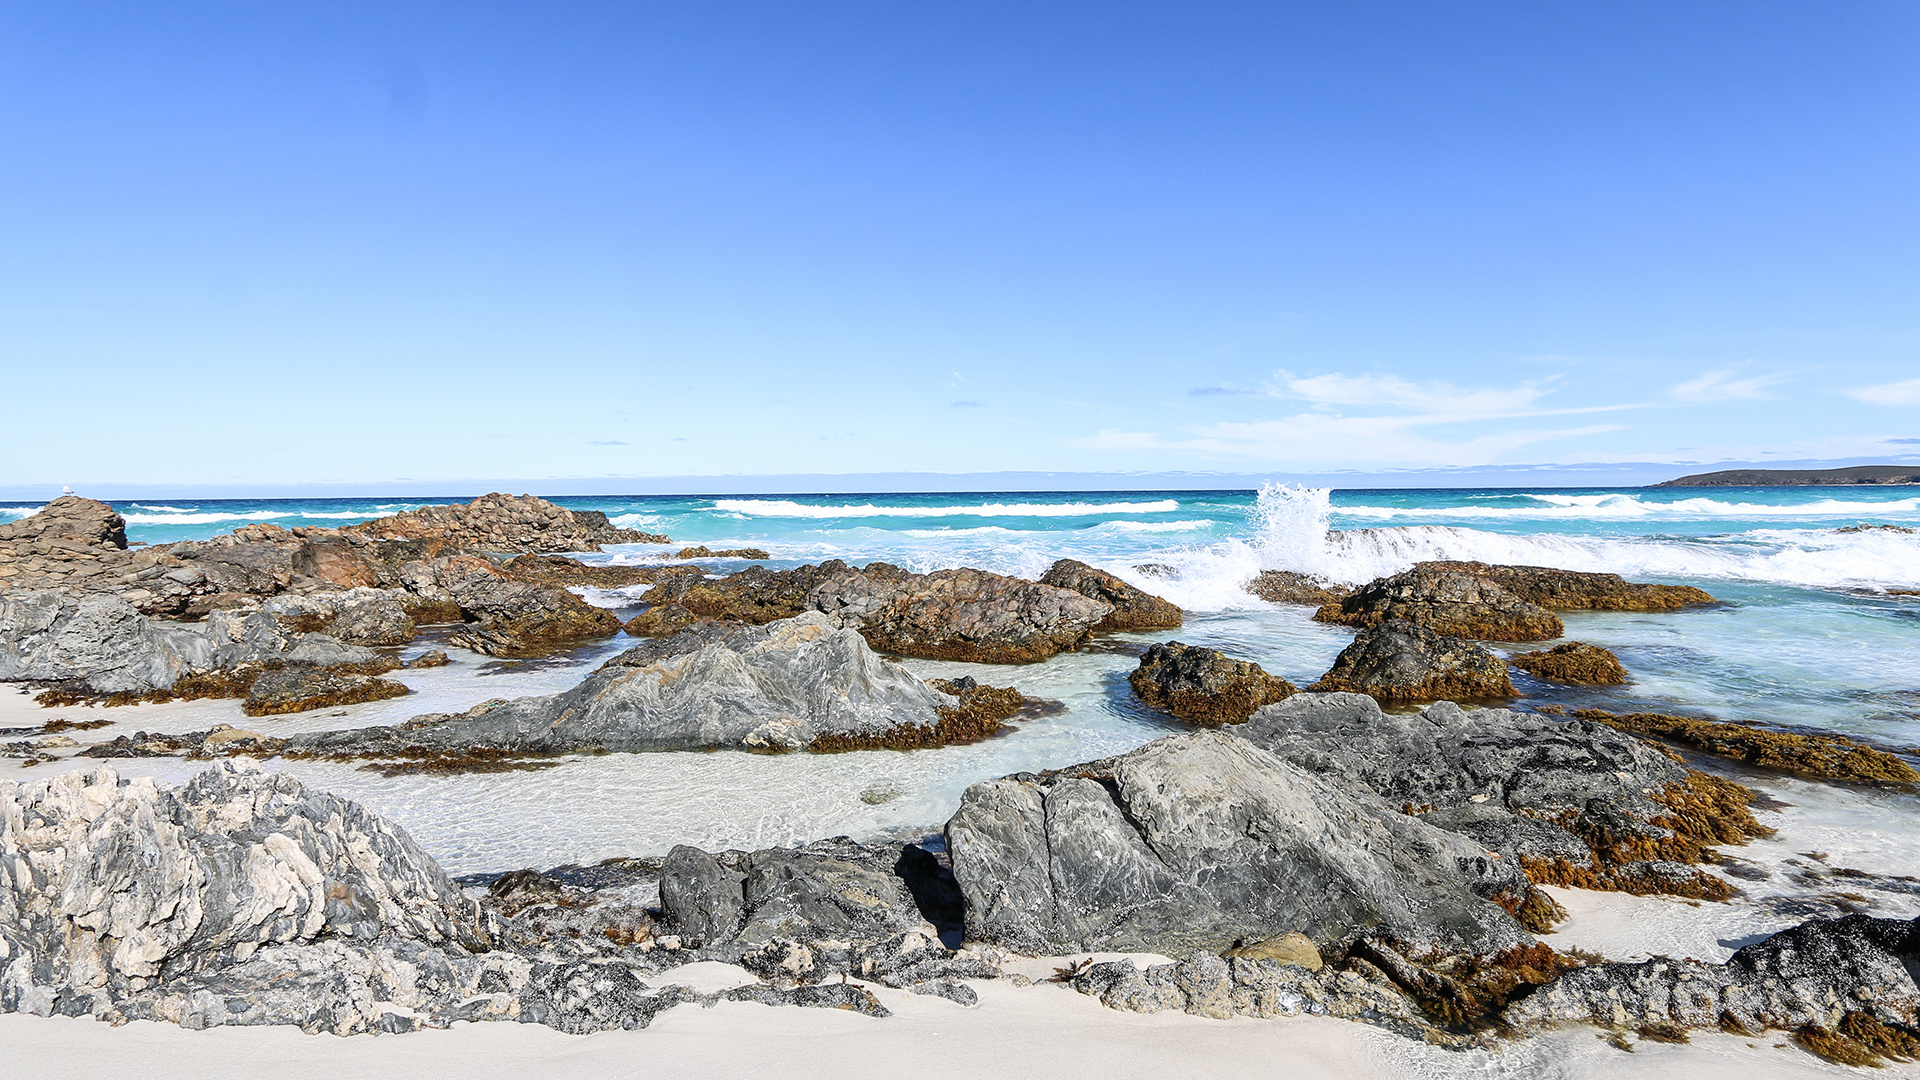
column 705, row 899
column 831, row 889
column 1210, row 986
column 1133, row 608
column 959, row 993
column 102, row 641
column 1401, row 662
column 847, row 996
column 1198, row 841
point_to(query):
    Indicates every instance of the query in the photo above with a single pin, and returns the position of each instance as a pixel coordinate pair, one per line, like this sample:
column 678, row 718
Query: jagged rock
column 99, row 640
column 779, row 686
column 1575, row 662
column 510, row 617
column 107, row 885
column 560, row 570
column 1293, row 587
column 1820, row 979
column 302, row 688
column 497, row 522
column 359, row 616
column 222, row 740
column 1499, row 603
column 1133, row 609
column 701, row 551
column 1205, row 686
column 754, row 595
column 964, row 614
column 830, row 996
column 661, row 620
column 833, row 890
column 1573, row 802
column 1399, row 661
column 430, row 658
column 1201, row 840
column 87, row 522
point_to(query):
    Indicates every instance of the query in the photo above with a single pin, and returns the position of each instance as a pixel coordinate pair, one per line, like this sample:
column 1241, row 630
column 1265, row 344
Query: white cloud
column 1906, row 392
column 1722, row 386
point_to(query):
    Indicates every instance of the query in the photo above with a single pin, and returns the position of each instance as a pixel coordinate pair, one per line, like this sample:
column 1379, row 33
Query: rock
column 1400, row 661
column 497, row 522
column 1575, row 662
column 1201, row 840
column 661, row 620
column 359, row 616
column 1841, row 985
column 560, row 570
column 968, row 615
column 1823, row 756
column 1499, row 603
column 1446, row 600
column 703, row 552
column 510, row 617
column 1292, row 587
column 1133, row 609
column 430, row 658
column 781, row 686
column 833, row 890
column 754, row 595
column 86, row 522
column 100, row 641
column 302, row 688
column 222, row 740
column 1204, row 686
column 1572, row 802
column 1289, row 948
column 109, row 885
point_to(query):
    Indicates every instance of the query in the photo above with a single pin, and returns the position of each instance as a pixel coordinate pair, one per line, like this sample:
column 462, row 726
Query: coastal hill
column 1859, row 474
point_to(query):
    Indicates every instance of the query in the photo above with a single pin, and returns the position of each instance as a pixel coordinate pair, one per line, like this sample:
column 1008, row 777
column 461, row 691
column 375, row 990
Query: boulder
column 510, row 617
column 661, row 620
column 1575, row 662
column 1445, row 599
column 85, row 522
column 1845, row 987
column 754, row 595
column 1572, row 802
column 1205, row 686
column 1199, row 841
column 430, row 658
column 502, row 523
column 1499, row 603
column 831, row 889
column 1400, row 661
column 357, row 616
column 1133, row 609
column 781, row 686
column 303, row 688
column 100, row 641
column 1293, row 587
column 966, row 614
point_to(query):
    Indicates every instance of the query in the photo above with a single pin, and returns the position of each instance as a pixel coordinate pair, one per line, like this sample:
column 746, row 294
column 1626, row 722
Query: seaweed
column 1819, row 757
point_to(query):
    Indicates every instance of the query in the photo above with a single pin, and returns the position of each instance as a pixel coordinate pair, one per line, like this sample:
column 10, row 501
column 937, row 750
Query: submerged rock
column 1198, row 841
column 1576, row 663
column 1205, row 686
column 1133, row 609
column 1399, row 662
column 1573, row 802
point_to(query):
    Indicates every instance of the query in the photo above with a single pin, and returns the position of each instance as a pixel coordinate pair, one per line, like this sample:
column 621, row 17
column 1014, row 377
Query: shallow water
column 1808, row 636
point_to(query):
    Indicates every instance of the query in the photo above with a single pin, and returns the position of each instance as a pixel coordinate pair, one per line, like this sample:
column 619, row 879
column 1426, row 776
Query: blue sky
column 369, row 243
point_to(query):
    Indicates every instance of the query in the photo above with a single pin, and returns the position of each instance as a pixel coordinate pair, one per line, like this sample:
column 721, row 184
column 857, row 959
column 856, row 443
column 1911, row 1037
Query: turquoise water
column 1809, row 635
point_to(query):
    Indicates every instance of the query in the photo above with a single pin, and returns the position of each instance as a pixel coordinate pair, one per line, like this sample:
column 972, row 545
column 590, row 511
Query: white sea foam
column 634, row 521
column 20, row 511
column 1628, row 506
column 789, row 508
column 202, row 519
column 338, row 515
column 1154, row 526
column 164, row 509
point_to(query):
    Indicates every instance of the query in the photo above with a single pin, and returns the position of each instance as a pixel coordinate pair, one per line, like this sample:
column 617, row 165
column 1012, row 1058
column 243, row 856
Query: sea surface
column 1813, row 634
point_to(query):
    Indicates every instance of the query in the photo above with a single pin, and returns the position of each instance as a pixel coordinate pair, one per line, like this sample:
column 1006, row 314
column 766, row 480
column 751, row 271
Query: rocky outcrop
column 1205, row 686
column 754, row 595
column 304, row 687
column 1844, row 987
column 88, row 523
column 1199, row 841
column 1400, row 662
column 510, row 617
column 831, row 889
column 1293, row 587
column 108, row 887
column 503, row 523
column 1820, row 756
column 1572, row 802
column 661, row 620
column 1575, row 663
column 781, row 686
column 1499, row 603
column 1133, row 609
column 359, row 616
column 702, row 551
column 560, row 570
column 966, row 614
column 1446, row 600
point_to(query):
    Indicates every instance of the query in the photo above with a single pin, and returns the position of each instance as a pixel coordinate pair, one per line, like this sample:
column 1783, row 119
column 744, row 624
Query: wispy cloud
column 1722, row 386
column 605, row 442
column 1905, row 392
column 965, row 405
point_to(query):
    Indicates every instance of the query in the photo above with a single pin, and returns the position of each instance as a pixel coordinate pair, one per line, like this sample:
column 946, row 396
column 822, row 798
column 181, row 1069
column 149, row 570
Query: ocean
column 1814, row 634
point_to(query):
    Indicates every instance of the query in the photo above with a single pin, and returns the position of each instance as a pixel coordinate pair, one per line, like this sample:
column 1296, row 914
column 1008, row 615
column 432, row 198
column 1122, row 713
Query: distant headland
column 1860, row 474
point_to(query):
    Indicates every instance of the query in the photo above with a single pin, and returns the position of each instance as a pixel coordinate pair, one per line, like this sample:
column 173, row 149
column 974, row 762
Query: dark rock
column 965, row 614
column 703, row 552
column 302, row 688
column 1400, row 661
column 510, row 617
column 1829, row 981
column 1203, row 840
column 1205, row 686
column 1528, row 786
column 1574, row 590
column 705, row 899
column 560, row 570
column 1210, row 986
column 585, row 997
column 1292, row 587
column 1575, row 662
column 222, row 740
column 430, row 658
column 754, row 595
column 1822, row 755
column 834, row 890
column 1133, row 609
column 1499, row 603
column 661, row 620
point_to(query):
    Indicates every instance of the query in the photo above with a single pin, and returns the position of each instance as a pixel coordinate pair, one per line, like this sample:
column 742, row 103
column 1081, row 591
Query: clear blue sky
column 294, row 242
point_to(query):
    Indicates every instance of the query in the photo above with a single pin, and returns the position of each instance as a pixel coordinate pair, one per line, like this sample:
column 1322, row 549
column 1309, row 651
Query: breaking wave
column 789, row 508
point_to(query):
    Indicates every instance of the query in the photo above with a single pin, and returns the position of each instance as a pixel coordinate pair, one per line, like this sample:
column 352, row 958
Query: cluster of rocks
column 499, row 522
column 1498, row 603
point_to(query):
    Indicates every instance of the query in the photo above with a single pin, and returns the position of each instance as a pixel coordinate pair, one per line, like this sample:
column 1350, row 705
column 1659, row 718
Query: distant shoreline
column 1879, row 475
